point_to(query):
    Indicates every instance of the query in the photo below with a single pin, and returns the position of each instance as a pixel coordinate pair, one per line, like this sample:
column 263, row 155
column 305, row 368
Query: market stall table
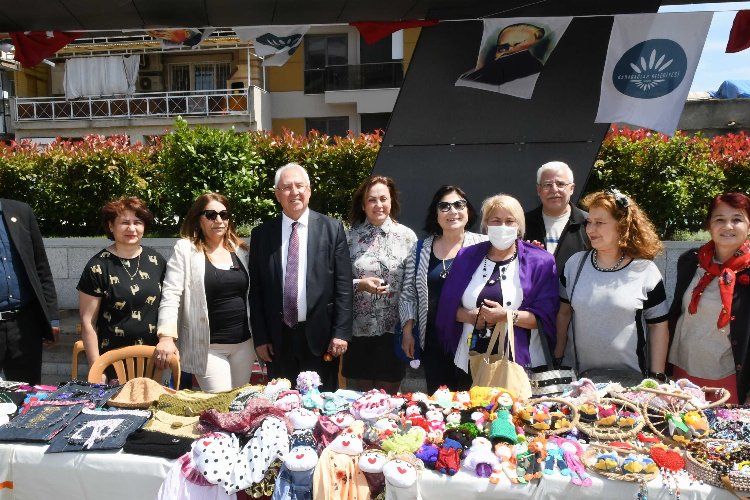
column 82, row 476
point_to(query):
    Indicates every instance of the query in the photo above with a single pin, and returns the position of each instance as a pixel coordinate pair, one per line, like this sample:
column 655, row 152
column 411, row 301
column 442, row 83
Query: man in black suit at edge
column 28, row 302
column 300, row 285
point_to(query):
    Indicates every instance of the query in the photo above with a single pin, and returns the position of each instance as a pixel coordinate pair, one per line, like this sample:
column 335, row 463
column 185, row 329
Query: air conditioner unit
column 150, row 84
column 150, row 63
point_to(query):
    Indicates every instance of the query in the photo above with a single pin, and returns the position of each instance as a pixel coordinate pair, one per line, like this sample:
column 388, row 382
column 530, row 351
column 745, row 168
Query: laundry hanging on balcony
column 32, row 47
column 100, row 76
column 275, row 44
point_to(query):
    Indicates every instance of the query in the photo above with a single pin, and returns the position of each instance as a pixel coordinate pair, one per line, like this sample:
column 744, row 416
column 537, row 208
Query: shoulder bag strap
column 570, row 301
column 545, row 345
column 499, row 327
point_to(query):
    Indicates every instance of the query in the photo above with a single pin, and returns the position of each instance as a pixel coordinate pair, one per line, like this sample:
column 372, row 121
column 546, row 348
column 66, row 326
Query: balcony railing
column 388, row 75
column 148, row 105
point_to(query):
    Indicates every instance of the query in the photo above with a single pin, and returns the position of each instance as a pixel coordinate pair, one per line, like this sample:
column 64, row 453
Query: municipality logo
column 650, row 69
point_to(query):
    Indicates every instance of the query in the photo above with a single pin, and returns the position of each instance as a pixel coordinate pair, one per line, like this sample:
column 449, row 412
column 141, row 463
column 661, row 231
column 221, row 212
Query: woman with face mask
column 491, row 278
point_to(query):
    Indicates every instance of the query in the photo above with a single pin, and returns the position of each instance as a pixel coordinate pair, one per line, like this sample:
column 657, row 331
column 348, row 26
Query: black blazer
column 739, row 326
column 572, row 240
column 23, row 231
column 329, row 284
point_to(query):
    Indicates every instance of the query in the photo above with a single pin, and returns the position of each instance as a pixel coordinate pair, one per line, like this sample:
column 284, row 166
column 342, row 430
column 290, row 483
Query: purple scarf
column 541, row 296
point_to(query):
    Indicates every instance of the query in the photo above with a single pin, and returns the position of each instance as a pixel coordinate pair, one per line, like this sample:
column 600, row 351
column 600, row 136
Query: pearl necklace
column 607, row 269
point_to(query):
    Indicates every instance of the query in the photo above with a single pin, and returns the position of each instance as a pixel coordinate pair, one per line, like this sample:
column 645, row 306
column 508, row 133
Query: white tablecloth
column 115, row 476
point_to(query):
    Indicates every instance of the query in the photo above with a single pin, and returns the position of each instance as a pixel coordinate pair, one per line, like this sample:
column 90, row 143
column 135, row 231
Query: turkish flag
column 373, row 31
column 32, row 47
column 739, row 37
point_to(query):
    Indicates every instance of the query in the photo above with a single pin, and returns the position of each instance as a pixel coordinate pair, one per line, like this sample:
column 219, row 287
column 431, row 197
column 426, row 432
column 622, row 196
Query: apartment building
column 334, row 82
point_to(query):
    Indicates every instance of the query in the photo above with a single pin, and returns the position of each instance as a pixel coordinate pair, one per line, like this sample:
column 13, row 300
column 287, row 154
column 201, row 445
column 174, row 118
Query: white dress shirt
column 286, row 232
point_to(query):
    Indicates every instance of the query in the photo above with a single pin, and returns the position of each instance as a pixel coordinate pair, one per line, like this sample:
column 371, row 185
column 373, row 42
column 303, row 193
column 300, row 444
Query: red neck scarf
column 727, row 278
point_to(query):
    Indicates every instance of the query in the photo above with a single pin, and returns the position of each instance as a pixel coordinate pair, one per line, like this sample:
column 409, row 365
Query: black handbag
column 546, row 380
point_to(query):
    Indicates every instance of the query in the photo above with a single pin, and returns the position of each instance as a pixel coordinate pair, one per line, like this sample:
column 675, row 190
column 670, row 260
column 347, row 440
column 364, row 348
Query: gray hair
column 286, row 167
column 554, row 166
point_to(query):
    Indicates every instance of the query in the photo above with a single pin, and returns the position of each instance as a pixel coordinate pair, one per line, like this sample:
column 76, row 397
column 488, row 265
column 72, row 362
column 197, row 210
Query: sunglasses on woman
column 445, row 206
column 212, row 214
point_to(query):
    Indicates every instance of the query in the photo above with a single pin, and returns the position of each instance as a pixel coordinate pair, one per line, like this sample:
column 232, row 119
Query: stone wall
column 67, row 256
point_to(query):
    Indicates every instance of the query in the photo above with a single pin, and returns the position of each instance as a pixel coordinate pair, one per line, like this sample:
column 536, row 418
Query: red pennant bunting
column 32, row 47
column 374, row 31
column 739, row 37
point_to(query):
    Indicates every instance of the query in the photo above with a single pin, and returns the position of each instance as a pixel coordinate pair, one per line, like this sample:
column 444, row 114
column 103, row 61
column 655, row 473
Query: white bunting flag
column 650, row 65
column 513, row 53
column 275, row 44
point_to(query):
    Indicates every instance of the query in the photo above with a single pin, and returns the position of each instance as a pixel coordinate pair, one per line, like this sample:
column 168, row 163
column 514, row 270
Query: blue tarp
column 732, row 89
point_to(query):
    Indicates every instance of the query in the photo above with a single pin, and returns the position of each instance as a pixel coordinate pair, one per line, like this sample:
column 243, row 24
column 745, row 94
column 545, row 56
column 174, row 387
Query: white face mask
column 502, row 237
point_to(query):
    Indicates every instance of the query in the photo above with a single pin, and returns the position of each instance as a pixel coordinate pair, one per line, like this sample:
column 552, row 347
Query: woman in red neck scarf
column 709, row 320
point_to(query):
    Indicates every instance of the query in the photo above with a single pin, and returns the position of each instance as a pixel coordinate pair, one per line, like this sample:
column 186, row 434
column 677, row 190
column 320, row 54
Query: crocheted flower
column 743, row 279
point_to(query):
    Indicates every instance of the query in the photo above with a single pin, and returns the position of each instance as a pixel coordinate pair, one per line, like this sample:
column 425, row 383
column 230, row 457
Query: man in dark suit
column 557, row 225
column 28, row 301
column 300, row 285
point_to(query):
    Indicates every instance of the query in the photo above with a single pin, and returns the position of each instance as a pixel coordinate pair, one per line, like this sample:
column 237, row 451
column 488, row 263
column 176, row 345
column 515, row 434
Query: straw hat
column 139, row 392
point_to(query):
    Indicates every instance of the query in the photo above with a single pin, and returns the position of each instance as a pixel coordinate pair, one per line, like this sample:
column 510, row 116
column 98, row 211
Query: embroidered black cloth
column 76, row 390
column 39, row 423
column 98, row 430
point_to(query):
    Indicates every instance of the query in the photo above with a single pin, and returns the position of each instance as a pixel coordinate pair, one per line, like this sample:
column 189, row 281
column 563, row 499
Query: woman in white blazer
column 204, row 307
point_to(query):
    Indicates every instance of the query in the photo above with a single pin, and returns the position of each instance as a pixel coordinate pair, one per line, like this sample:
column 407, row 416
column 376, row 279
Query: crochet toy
column 453, row 419
column 409, row 441
column 607, row 462
column 374, row 404
column 449, row 457
column 371, row 464
column 531, row 458
column 480, row 459
column 302, row 418
column 461, row 400
column 288, row 400
column 401, row 472
column 507, row 465
column 572, row 452
column 428, row 454
column 482, row 396
column 435, row 420
column 443, row 397
column 342, row 419
column 337, row 474
column 308, row 384
column 555, row 458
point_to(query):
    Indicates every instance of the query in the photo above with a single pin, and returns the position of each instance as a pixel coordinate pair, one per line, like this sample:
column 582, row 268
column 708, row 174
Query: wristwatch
column 659, row 377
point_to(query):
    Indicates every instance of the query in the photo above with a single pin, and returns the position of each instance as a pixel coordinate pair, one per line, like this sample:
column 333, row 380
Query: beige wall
column 290, row 77
column 33, row 82
column 296, row 125
column 411, row 36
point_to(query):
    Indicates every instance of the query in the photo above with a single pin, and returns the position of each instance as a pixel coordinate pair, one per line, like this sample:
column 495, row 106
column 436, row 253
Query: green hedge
column 673, row 179
column 66, row 183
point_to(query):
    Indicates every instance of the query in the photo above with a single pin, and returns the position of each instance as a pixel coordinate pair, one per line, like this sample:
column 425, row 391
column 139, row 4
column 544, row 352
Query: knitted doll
column 308, row 384
column 276, row 387
column 401, row 472
column 371, row 463
column 461, row 400
column 408, row 441
column 555, row 458
column 302, row 419
column 480, row 459
column 428, row 454
column 572, row 452
column 449, row 457
column 443, row 397
column 288, row 400
column 507, row 465
column 342, row 419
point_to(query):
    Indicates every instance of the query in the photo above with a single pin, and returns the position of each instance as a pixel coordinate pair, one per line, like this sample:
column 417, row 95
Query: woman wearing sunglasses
column 120, row 288
column 448, row 216
column 490, row 279
column 378, row 246
column 205, row 299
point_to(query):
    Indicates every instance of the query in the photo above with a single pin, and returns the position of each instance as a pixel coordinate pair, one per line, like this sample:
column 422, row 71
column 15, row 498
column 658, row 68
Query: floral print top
column 378, row 251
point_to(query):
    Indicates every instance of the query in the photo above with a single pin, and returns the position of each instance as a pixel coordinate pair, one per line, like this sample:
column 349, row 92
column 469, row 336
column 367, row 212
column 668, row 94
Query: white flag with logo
column 513, row 53
column 275, row 44
column 650, row 65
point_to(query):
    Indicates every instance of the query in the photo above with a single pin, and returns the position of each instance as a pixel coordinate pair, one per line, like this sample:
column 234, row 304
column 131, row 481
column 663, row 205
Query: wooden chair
column 131, row 362
column 77, row 349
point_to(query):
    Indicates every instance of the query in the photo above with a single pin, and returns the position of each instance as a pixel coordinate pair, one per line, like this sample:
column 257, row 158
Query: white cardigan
column 183, row 311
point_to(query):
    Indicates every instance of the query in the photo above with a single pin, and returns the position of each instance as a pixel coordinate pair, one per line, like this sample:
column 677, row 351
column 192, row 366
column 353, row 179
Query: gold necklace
column 126, row 263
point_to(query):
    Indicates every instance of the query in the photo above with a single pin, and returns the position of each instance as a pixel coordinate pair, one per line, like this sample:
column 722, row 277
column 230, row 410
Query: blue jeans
column 293, row 485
